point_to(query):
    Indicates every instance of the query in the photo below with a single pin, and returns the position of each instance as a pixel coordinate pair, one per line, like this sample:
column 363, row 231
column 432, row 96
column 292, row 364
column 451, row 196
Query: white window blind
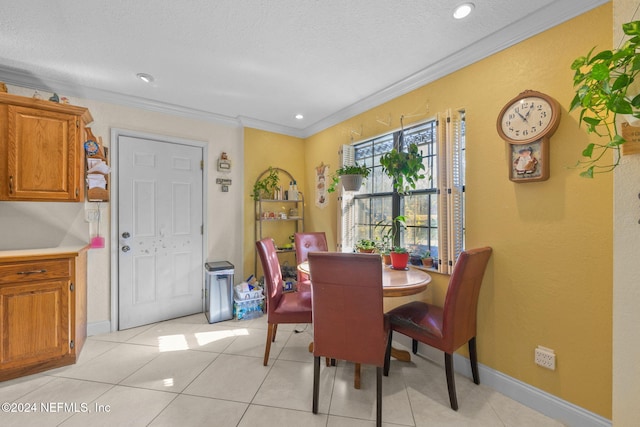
column 451, row 189
column 346, row 211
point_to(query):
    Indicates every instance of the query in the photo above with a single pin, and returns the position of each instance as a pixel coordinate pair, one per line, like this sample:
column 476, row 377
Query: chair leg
column 451, row 382
column 271, row 332
column 316, row 382
column 414, row 346
column 378, row 396
column 275, row 329
column 473, row 357
column 387, row 355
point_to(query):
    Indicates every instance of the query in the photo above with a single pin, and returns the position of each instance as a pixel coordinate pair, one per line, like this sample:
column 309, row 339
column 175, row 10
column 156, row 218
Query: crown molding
column 553, row 14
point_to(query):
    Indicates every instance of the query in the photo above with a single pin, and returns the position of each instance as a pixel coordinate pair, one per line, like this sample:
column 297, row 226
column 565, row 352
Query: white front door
column 160, row 223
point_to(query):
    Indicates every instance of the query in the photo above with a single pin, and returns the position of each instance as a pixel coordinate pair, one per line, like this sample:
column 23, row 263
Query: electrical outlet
column 545, row 357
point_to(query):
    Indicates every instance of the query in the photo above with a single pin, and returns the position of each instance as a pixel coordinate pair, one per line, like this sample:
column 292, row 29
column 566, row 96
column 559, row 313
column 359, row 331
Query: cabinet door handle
column 11, row 184
column 32, row 271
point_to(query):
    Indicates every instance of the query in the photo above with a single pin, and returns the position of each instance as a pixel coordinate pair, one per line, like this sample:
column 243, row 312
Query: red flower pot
column 399, row 261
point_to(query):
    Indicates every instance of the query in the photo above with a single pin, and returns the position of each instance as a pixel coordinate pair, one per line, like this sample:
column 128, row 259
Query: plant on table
column 366, row 245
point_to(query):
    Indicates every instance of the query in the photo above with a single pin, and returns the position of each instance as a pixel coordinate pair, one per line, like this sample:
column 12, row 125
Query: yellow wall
column 263, row 149
column 550, row 278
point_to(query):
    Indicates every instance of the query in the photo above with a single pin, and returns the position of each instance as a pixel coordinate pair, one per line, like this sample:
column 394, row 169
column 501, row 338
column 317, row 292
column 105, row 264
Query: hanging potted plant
column 602, row 82
column 265, row 188
column 404, row 168
column 351, row 177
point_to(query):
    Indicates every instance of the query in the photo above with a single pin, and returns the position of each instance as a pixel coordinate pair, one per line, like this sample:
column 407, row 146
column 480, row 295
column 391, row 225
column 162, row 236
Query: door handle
column 126, row 248
column 126, row 235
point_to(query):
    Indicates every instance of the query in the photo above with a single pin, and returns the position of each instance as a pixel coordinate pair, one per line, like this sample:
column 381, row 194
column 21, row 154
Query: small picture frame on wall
column 529, row 162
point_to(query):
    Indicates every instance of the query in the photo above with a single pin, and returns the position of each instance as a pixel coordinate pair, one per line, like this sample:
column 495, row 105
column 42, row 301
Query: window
column 434, row 210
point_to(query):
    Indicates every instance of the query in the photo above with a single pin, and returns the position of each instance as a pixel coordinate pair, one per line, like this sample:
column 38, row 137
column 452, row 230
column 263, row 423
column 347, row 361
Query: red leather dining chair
column 448, row 328
column 348, row 316
column 305, row 243
column 289, row 307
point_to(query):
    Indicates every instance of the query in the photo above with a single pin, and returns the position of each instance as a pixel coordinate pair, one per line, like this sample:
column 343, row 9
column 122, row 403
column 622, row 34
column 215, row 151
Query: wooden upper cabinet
column 41, row 150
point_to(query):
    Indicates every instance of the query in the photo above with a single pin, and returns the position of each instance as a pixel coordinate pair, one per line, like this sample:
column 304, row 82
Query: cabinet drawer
column 34, row 270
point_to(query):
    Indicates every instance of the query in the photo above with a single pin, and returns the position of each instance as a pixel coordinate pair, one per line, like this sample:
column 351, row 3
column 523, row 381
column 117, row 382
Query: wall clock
column 526, row 123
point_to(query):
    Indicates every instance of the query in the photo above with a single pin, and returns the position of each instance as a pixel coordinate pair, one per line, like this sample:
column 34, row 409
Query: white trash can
column 218, row 294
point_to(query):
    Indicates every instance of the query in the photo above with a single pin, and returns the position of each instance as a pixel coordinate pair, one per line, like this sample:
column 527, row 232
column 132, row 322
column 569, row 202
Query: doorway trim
column 115, row 241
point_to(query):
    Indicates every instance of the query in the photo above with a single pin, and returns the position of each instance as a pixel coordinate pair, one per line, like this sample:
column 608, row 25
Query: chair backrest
column 461, row 301
column 272, row 273
column 348, row 315
column 308, row 242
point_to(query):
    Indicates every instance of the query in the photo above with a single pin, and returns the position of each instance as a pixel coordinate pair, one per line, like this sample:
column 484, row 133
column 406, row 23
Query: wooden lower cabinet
column 42, row 313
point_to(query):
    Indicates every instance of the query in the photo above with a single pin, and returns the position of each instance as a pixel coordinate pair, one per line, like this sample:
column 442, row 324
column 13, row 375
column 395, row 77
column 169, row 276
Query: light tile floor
column 186, row 372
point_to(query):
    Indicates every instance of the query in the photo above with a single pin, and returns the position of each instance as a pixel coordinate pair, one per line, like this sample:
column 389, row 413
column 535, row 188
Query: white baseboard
column 97, row 328
column 543, row 402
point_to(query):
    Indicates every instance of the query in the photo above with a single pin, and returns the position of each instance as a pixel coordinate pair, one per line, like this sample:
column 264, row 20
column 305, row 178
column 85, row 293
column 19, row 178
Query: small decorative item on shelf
column 97, row 169
column 3, row 87
column 54, row 98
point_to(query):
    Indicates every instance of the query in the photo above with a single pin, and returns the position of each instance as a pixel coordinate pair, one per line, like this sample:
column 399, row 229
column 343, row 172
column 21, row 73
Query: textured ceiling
column 257, row 62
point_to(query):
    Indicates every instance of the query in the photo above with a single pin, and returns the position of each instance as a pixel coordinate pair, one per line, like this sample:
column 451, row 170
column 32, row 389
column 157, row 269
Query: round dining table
column 395, row 283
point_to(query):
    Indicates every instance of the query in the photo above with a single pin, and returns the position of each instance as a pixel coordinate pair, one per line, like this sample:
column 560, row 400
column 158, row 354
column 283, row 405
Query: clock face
column 528, row 118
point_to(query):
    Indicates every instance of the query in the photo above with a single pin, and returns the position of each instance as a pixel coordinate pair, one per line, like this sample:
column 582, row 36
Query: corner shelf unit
column 269, row 220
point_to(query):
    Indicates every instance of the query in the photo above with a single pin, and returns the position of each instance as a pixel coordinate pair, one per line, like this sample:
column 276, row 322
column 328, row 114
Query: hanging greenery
column 404, row 168
column 602, row 81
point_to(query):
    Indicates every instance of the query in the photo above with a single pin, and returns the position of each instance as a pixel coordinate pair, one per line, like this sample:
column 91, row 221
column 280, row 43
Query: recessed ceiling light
column 299, row 116
column 463, row 10
column 147, row 78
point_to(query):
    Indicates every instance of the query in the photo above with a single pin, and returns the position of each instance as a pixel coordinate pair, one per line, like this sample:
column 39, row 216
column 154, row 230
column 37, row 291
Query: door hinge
column 202, row 229
column 77, row 123
column 201, row 164
column 77, row 192
column 71, row 344
column 71, row 287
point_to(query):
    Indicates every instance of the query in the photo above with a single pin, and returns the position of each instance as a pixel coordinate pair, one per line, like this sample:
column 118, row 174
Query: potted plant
column 602, row 81
column 399, row 258
column 366, row 246
column 404, row 168
column 400, row 254
column 265, row 187
column 351, row 177
column 427, row 259
column 384, row 248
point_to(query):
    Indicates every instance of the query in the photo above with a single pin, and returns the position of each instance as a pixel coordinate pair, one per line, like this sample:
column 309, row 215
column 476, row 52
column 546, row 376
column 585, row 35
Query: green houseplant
column 366, row 245
column 399, row 256
column 265, row 187
column 602, row 82
column 351, row 175
column 404, row 168
column 427, row 259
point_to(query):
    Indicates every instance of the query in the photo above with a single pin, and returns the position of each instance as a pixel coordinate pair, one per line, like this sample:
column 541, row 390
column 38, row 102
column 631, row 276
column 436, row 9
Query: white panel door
column 160, row 231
